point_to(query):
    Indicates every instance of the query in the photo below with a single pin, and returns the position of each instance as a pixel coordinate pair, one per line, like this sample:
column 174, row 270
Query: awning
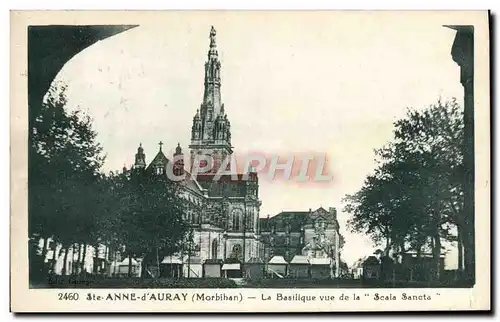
column 192, row 260
column 320, row 261
column 231, row 267
column 171, row 260
column 299, row 259
column 277, row 260
column 126, row 261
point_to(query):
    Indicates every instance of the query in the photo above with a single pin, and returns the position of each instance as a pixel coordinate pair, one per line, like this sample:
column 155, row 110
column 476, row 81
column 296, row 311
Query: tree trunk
column 129, row 265
column 157, row 263
column 44, row 248
column 44, row 254
column 106, row 257
column 54, row 260
column 65, row 265
column 418, row 267
column 436, row 256
column 78, row 259
column 460, row 251
column 83, row 258
column 96, row 259
column 73, row 248
column 387, row 245
column 114, row 266
column 144, row 267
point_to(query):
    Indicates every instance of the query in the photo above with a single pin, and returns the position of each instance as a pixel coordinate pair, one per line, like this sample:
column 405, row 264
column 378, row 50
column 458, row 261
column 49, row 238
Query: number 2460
column 68, row 296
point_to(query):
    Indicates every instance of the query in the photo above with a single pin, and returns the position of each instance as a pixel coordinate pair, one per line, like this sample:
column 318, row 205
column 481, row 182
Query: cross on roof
column 160, row 144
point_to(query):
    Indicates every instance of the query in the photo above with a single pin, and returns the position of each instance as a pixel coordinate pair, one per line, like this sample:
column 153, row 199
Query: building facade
column 314, row 234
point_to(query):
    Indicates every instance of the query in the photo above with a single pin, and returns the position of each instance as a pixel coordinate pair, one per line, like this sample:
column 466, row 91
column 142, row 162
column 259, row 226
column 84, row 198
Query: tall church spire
column 210, row 133
column 212, row 98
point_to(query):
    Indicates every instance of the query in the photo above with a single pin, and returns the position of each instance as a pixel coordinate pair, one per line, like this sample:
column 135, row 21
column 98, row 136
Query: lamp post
column 244, row 230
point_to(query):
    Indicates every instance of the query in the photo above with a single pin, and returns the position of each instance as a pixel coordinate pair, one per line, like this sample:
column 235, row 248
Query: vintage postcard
column 240, row 161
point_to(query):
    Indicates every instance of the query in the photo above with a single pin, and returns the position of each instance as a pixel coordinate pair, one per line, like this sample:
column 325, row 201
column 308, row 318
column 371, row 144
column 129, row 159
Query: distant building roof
column 371, row 260
column 296, row 219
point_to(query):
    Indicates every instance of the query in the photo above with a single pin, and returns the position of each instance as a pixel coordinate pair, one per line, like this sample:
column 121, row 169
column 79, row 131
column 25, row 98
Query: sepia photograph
column 246, row 152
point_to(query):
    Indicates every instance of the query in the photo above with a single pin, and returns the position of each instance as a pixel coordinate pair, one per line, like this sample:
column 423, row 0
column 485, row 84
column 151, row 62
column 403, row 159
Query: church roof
column 159, row 159
column 297, row 218
column 191, row 183
column 294, row 218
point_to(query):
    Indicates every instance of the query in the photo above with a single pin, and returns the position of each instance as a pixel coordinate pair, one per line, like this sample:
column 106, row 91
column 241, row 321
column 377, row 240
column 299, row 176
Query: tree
column 414, row 198
column 63, row 162
column 148, row 216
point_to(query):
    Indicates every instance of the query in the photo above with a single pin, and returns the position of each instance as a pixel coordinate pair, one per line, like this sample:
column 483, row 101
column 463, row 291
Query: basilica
column 224, row 212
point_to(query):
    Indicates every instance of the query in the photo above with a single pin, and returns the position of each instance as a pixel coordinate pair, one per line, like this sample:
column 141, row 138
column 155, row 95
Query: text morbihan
column 202, row 297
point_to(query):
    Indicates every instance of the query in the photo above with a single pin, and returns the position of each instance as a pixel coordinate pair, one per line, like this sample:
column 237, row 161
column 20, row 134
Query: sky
column 290, row 84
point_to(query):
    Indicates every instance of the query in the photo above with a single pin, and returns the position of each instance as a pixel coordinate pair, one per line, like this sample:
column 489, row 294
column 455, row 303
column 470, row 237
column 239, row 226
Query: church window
column 236, row 222
column 236, row 219
column 250, row 220
column 215, row 247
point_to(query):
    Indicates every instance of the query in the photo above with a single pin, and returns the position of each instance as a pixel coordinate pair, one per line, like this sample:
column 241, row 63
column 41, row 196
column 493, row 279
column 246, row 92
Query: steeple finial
column 178, row 149
column 212, row 52
column 160, row 144
column 213, row 33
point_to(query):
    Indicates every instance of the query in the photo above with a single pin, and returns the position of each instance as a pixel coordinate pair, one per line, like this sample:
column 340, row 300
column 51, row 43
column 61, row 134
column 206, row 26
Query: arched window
column 236, row 220
column 215, row 248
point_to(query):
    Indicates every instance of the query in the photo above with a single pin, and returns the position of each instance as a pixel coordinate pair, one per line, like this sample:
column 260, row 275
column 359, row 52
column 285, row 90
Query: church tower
column 140, row 158
column 211, row 130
